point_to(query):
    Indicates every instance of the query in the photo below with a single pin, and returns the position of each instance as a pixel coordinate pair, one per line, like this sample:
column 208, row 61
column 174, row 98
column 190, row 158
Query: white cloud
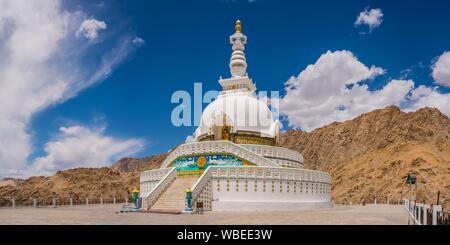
column 138, row 41
column 90, row 28
column 424, row 96
column 78, row 146
column 329, row 91
column 441, row 70
column 42, row 63
column 372, row 18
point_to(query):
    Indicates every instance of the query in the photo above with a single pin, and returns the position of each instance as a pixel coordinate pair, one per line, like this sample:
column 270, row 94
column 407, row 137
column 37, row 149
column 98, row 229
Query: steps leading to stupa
column 174, row 197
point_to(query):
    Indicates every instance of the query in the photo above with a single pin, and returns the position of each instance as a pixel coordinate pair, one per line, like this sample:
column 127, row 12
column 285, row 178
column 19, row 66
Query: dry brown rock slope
column 370, row 156
column 81, row 183
column 138, row 164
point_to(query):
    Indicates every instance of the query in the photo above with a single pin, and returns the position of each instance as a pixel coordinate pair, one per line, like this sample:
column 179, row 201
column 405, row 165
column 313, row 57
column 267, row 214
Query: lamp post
column 53, row 199
column 438, row 194
column 412, row 180
column 363, row 201
column 135, row 196
column 401, row 196
column 189, row 200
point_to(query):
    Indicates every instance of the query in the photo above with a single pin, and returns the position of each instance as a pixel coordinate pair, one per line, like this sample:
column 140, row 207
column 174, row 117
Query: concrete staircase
column 173, row 199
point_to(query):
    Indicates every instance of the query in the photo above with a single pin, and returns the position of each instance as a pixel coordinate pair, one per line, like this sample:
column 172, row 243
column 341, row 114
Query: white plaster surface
column 106, row 214
column 267, row 206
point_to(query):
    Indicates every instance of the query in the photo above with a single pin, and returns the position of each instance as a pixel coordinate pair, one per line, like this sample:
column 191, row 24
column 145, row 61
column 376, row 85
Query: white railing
column 270, row 173
column 149, row 179
column 159, row 189
column 154, row 175
column 257, row 172
column 277, row 153
column 200, row 185
column 419, row 214
column 411, row 209
column 217, row 147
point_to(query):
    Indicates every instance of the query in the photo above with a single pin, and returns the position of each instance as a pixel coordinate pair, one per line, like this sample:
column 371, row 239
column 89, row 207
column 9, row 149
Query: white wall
column 267, row 194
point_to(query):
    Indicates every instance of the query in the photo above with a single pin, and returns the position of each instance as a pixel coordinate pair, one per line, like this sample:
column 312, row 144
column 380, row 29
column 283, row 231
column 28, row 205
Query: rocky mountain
column 370, row 156
column 79, row 184
column 125, row 165
column 9, row 182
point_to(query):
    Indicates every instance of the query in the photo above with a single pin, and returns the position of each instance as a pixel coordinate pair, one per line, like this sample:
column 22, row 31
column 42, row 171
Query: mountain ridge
column 368, row 157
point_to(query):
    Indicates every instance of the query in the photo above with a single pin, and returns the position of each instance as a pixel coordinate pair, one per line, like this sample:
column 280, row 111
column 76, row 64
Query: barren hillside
column 138, row 164
column 81, row 183
column 368, row 157
column 371, row 155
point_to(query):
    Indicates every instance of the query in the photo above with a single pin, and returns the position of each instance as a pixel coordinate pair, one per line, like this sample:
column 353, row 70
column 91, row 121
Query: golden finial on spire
column 238, row 26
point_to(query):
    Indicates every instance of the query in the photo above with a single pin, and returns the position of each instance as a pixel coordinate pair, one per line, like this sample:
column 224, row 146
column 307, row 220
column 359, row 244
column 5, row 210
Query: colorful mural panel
column 199, row 163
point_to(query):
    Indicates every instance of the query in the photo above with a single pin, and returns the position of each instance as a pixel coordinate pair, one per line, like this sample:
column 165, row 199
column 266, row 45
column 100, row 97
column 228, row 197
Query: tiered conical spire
column 238, row 63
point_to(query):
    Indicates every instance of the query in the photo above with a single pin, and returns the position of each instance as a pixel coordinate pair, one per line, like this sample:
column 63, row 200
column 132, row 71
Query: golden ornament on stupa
column 238, row 26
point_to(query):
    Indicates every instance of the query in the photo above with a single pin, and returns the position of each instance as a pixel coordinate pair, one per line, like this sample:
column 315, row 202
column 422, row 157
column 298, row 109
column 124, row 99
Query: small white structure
column 235, row 163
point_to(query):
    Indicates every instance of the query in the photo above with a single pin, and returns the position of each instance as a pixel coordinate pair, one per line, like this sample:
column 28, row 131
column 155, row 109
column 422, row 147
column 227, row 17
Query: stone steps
column 173, row 199
column 164, row 211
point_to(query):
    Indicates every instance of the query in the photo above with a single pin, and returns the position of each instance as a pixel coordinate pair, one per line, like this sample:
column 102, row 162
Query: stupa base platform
column 267, row 206
column 163, row 211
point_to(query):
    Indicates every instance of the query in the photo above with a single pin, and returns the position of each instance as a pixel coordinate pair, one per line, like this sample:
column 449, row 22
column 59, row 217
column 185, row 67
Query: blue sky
column 147, row 50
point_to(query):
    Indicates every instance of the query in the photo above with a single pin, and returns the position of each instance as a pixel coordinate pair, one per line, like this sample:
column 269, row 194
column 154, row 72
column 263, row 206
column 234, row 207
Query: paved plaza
column 109, row 215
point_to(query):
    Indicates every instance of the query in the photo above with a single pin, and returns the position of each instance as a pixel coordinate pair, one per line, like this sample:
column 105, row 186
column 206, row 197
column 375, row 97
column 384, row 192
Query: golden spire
column 238, row 26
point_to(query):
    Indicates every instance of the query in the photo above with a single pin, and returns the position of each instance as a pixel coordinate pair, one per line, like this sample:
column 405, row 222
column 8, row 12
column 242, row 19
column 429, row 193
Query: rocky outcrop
column 125, row 165
column 370, row 156
column 80, row 183
column 9, row 182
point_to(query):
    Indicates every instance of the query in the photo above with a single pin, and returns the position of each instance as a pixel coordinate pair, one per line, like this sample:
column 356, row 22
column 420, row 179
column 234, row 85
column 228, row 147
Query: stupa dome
column 241, row 111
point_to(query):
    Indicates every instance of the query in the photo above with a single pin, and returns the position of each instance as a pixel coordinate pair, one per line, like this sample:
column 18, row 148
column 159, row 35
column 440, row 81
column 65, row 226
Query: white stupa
column 235, row 162
column 237, row 108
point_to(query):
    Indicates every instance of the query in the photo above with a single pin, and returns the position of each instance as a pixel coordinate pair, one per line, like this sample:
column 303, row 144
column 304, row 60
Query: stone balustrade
column 150, row 178
column 156, row 192
column 283, row 156
column 256, row 184
column 217, row 147
column 423, row 214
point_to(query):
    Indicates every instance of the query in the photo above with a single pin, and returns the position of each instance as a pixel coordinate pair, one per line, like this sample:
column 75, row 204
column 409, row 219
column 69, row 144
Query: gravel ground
column 108, row 214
